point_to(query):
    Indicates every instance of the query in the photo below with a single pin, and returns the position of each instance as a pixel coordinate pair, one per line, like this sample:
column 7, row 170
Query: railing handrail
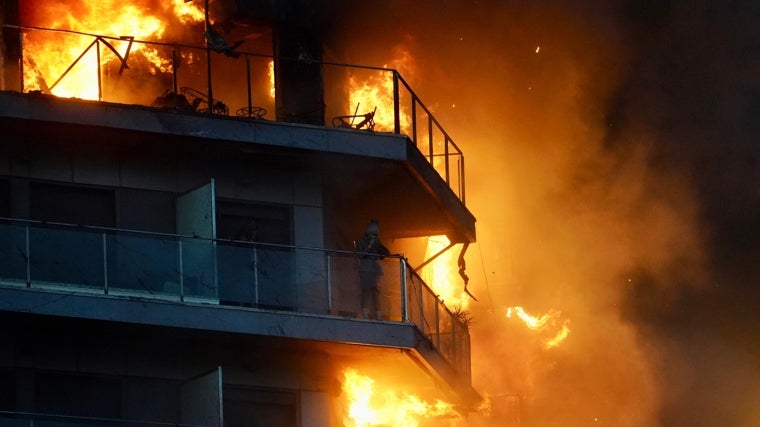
column 33, row 415
column 190, row 236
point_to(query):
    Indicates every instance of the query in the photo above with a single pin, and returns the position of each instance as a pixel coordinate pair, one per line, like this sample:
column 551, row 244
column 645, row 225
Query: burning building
column 181, row 189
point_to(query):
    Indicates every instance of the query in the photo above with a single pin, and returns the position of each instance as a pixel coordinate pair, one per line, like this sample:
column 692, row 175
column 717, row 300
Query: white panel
column 201, row 400
column 196, row 212
column 196, row 216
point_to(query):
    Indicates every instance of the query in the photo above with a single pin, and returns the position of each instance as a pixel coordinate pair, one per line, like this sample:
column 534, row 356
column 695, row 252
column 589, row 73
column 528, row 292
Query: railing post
column 105, row 264
column 174, row 71
column 329, row 285
column 100, row 83
column 181, row 271
column 208, row 61
column 446, row 141
column 461, row 179
column 255, row 265
column 430, row 139
column 248, row 82
column 404, row 293
column 396, row 112
column 414, row 120
column 28, row 259
column 21, row 60
column 437, row 342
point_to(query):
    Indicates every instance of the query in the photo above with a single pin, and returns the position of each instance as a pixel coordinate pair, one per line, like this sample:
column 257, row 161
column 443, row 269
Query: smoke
column 612, row 169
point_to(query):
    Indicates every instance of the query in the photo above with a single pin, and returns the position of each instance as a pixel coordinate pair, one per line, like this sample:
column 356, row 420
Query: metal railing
column 189, row 78
column 185, row 269
column 27, row 419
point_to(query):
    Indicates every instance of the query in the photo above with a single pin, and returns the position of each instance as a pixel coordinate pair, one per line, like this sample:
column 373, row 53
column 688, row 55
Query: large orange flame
column 367, row 405
column 370, row 90
column 48, row 54
column 442, row 274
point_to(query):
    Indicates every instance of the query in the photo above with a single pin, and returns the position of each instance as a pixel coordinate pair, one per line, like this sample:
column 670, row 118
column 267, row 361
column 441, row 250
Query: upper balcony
column 251, row 97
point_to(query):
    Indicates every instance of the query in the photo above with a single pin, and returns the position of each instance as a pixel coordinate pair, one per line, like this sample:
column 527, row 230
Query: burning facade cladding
column 171, row 262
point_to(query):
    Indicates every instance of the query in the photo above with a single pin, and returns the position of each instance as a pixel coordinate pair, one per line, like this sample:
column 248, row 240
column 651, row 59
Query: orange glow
column 48, row 54
column 442, row 275
column 368, row 405
column 543, row 323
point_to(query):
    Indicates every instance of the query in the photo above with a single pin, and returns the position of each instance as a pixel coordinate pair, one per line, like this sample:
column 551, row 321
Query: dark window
column 72, row 205
column 273, row 223
column 245, row 407
column 82, row 396
column 5, row 198
column 7, row 390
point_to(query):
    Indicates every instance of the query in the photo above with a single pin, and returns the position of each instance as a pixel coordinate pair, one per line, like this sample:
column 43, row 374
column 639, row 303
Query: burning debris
column 368, row 120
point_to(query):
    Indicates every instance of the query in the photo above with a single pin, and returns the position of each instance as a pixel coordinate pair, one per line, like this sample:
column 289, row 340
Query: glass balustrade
column 127, row 263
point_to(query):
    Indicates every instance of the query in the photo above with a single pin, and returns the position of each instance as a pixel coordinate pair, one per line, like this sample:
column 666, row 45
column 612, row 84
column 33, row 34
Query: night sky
column 613, row 161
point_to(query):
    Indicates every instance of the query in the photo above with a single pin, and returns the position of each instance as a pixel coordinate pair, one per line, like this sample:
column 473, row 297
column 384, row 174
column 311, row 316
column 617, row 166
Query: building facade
column 164, row 264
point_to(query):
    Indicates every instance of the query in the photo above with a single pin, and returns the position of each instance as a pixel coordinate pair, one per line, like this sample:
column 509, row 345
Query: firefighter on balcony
column 371, row 251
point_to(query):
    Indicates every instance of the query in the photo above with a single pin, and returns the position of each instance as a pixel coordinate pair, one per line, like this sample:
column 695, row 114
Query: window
column 75, row 395
column 248, row 407
column 72, row 205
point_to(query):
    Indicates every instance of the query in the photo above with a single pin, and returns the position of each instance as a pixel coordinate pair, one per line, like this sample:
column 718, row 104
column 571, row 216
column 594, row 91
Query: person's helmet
column 372, row 228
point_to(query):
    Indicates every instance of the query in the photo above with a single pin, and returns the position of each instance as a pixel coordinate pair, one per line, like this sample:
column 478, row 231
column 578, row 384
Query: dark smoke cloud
column 615, row 177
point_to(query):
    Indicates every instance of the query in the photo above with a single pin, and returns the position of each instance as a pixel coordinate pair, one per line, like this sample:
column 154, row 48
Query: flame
column 542, row 323
column 270, row 74
column 442, row 274
column 48, row 54
column 375, row 90
column 368, row 406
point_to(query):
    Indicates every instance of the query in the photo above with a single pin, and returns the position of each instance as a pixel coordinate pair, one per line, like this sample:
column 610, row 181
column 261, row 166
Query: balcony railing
column 187, row 270
column 192, row 78
column 25, row 419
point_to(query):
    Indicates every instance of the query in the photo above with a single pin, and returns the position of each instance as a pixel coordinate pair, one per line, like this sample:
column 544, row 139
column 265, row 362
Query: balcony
column 194, row 80
column 312, row 290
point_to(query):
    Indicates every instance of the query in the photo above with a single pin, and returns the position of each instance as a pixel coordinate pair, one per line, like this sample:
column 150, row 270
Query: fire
column 270, row 74
column 375, row 90
column 543, row 323
column 368, row 406
column 441, row 274
column 49, row 54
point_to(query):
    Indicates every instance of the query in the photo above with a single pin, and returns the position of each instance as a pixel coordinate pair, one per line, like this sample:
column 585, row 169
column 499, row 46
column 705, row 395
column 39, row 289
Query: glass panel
column 143, row 264
column 274, row 272
column 429, row 307
column 198, row 269
column 237, row 276
column 11, row 421
column 390, row 289
column 67, row 257
column 13, row 253
column 311, row 268
column 345, row 290
column 446, row 334
column 414, row 301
